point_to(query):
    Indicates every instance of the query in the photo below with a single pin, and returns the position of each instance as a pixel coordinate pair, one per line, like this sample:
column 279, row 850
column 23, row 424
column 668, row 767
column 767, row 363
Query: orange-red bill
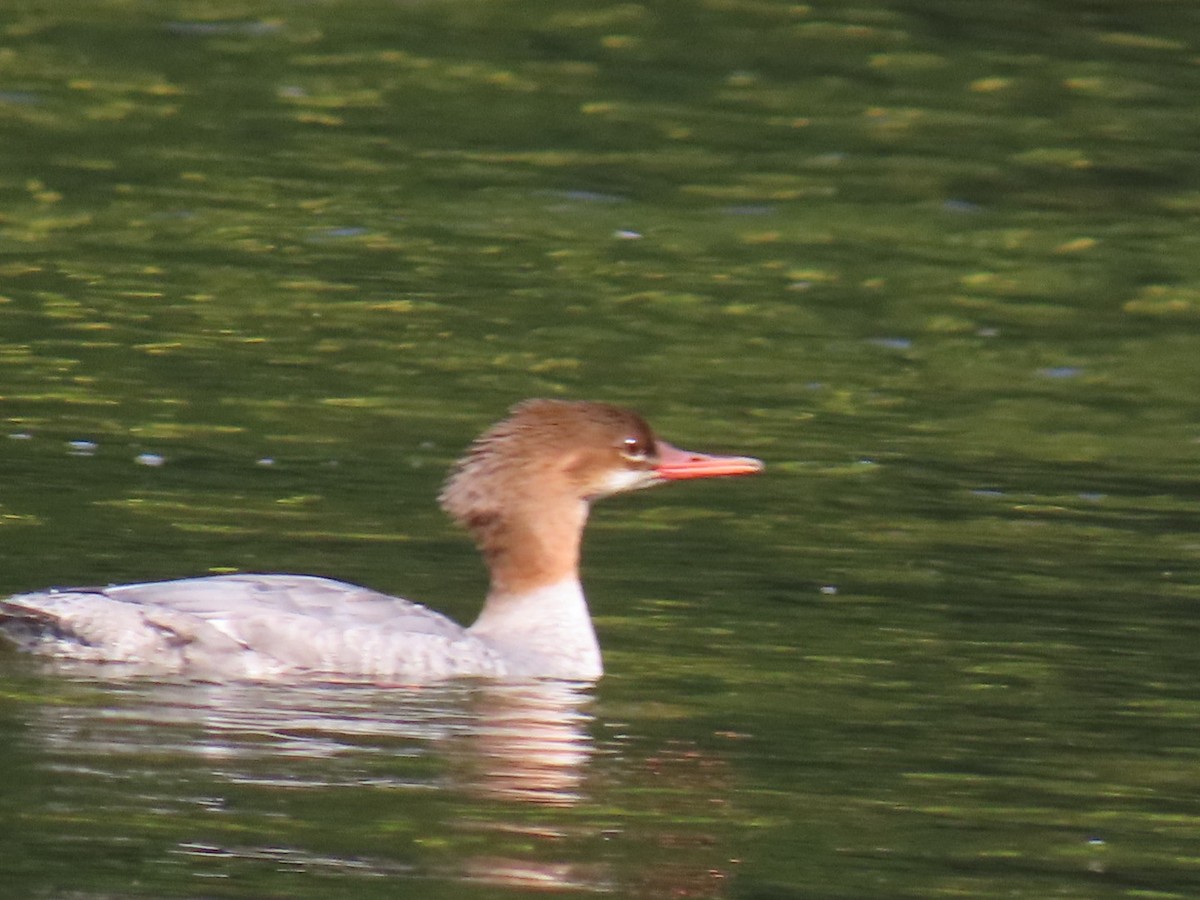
column 675, row 464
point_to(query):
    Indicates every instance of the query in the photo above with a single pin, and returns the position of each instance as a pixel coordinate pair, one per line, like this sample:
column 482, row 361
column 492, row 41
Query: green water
column 937, row 263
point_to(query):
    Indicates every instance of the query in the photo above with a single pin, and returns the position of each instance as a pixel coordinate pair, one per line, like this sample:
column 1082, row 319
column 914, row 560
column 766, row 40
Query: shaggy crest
column 476, row 490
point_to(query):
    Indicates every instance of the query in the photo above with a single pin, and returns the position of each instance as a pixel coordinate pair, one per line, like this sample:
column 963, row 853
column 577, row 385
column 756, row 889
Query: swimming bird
column 523, row 491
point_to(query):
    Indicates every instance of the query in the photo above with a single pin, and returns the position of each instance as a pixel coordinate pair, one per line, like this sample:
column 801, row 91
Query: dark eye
column 635, row 449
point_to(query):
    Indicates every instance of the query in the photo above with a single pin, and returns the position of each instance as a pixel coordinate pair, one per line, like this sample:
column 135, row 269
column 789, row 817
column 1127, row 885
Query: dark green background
column 938, row 263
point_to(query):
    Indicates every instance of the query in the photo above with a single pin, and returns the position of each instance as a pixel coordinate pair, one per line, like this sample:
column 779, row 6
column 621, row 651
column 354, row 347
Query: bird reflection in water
column 530, row 742
column 462, row 766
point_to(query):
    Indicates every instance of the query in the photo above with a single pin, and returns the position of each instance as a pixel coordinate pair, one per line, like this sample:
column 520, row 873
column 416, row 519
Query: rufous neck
column 529, row 546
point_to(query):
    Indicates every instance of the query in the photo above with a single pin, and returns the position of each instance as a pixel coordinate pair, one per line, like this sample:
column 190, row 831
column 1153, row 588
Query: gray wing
column 247, row 626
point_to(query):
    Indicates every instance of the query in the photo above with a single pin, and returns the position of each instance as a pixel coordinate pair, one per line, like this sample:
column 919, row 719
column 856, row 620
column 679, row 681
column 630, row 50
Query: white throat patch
column 621, row 480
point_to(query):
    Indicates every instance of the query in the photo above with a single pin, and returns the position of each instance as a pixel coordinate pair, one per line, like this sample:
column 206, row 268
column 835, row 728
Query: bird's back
column 247, row 626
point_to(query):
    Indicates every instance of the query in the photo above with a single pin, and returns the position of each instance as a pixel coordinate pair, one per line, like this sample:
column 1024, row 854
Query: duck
column 523, row 491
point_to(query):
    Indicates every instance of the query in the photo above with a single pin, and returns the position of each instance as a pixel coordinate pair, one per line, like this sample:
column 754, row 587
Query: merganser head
column 558, row 449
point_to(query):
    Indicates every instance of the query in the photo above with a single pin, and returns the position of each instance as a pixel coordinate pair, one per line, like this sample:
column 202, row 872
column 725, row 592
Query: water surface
column 265, row 269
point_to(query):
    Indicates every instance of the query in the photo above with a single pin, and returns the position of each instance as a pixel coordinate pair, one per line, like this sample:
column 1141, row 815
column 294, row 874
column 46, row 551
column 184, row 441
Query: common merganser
column 523, row 491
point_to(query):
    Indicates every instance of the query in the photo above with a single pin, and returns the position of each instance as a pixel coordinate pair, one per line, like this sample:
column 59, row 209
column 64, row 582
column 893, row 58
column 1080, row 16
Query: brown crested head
column 580, row 449
column 523, row 488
